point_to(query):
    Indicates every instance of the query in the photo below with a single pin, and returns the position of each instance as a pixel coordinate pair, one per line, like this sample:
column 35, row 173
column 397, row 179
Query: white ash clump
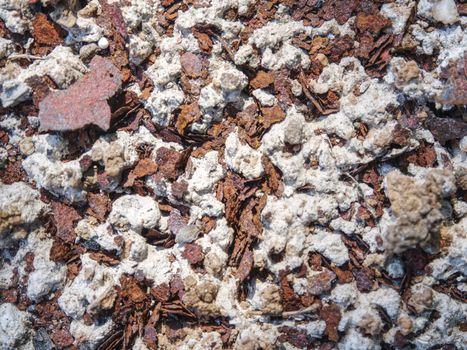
column 20, row 207
column 91, row 291
column 444, row 11
column 226, row 87
column 15, row 328
column 61, row 65
column 455, row 260
column 60, row 178
column 90, row 335
column 102, row 234
column 119, row 152
column 242, row 158
column 47, row 276
column 134, row 212
column 359, row 239
column 204, row 173
column 16, row 15
column 417, row 208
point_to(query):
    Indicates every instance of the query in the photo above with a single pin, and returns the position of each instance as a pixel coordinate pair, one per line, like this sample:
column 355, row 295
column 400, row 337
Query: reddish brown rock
column 84, row 102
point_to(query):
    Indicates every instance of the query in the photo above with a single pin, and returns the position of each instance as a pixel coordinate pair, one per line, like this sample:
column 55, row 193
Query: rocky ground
column 238, row 174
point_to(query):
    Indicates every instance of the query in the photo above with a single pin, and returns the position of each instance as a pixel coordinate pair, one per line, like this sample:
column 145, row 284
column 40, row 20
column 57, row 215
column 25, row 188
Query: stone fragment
column 84, row 102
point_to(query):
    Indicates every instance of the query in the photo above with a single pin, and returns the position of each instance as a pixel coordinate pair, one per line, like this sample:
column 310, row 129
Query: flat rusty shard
column 84, row 102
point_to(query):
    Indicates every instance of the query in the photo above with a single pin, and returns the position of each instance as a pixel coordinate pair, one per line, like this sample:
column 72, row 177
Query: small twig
column 24, row 55
column 309, row 309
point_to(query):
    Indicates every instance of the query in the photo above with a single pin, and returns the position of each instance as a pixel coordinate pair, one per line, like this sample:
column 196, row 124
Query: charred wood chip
column 416, row 260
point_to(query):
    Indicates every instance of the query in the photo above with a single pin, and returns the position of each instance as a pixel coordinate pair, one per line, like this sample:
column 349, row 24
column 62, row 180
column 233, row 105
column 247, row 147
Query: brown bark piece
column 261, row 80
column 331, row 314
column 272, row 115
column 99, row 205
column 169, row 162
column 64, row 218
column 321, row 282
column 188, row 114
column 44, row 32
column 245, row 266
column 144, row 167
column 192, row 65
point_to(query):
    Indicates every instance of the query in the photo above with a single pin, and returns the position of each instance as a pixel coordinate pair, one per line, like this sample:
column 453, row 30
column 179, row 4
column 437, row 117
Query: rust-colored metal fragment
column 84, row 102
